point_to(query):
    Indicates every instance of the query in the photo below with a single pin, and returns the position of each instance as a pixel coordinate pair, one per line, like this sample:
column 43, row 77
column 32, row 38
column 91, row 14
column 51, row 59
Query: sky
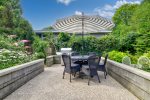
column 44, row 13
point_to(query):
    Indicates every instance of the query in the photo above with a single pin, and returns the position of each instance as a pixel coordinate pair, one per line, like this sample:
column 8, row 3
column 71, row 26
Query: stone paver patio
column 49, row 85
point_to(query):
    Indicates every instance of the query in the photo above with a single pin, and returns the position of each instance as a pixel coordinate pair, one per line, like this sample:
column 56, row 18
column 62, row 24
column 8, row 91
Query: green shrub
column 40, row 47
column 147, row 54
column 75, row 43
column 85, row 45
column 107, row 43
column 62, row 40
column 143, row 43
column 93, row 44
column 116, row 56
column 127, row 43
column 40, row 55
column 134, row 58
column 6, row 42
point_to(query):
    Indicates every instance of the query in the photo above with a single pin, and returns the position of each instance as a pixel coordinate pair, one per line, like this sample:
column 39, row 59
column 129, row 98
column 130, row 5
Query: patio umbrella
column 83, row 24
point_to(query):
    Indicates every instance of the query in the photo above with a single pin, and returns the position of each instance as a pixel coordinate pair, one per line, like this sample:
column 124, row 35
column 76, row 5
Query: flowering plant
column 10, row 58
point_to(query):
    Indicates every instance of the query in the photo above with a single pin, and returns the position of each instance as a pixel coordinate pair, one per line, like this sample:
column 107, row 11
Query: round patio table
column 80, row 57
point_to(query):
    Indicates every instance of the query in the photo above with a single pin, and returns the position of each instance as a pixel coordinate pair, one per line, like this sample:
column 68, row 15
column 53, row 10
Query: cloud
column 109, row 10
column 78, row 13
column 65, row 2
column 120, row 3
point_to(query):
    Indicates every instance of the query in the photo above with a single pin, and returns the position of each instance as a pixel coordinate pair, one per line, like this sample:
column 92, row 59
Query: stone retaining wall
column 54, row 59
column 135, row 80
column 14, row 77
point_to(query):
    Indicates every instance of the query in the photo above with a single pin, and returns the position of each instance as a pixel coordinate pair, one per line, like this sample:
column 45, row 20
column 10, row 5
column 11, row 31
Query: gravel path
column 49, row 85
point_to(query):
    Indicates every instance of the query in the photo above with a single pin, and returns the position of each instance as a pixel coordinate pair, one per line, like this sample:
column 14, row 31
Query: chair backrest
column 75, row 54
column 99, row 59
column 105, row 59
column 93, row 62
column 67, row 61
column 91, row 53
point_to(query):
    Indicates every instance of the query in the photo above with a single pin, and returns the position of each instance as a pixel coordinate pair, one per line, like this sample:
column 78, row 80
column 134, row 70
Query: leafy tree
column 141, row 18
column 128, row 42
column 133, row 27
column 24, row 30
column 12, row 21
column 143, row 43
column 146, row 1
column 49, row 28
column 122, row 19
column 124, row 13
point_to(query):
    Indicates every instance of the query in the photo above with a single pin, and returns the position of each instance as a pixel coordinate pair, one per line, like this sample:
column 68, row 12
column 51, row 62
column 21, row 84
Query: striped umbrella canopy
column 83, row 24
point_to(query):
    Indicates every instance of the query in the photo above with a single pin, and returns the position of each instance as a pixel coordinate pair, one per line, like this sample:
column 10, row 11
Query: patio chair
column 70, row 67
column 91, row 53
column 91, row 69
column 99, row 58
column 101, row 67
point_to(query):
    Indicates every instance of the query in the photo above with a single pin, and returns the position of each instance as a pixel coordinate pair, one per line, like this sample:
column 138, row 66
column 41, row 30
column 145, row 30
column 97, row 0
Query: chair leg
column 75, row 74
column 63, row 74
column 80, row 75
column 89, row 80
column 105, row 74
column 98, row 79
column 70, row 77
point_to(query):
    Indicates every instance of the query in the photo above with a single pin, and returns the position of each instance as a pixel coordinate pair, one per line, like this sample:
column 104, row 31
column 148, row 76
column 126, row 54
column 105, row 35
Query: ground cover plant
column 11, row 58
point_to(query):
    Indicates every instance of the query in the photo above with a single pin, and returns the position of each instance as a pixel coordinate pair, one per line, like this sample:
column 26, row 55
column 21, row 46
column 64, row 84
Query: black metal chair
column 91, row 53
column 101, row 67
column 91, row 70
column 70, row 67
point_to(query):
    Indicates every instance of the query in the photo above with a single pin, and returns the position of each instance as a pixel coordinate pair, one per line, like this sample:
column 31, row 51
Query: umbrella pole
column 82, row 33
